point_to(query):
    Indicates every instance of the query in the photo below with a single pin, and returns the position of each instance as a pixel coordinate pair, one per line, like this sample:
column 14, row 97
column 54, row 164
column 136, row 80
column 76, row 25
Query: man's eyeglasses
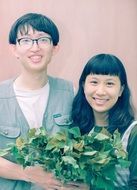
column 27, row 43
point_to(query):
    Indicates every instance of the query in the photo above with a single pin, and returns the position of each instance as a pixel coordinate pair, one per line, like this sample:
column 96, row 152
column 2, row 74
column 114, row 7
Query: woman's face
column 102, row 91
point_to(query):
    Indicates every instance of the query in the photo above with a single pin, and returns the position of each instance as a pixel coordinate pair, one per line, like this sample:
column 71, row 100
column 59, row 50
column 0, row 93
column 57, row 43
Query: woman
column 103, row 99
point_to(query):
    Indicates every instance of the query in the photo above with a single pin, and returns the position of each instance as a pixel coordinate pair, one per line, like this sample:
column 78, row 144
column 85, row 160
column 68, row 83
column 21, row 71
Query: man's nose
column 35, row 45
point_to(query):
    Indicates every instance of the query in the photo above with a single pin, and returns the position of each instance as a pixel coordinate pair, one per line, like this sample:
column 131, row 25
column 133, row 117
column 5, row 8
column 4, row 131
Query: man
column 32, row 99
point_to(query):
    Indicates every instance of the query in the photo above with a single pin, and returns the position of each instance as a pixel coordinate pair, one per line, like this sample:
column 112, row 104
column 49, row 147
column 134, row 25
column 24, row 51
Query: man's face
column 34, row 50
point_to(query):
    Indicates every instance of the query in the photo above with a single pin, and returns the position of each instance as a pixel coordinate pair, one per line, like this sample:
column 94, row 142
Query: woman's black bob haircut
column 105, row 64
column 38, row 22
column 122, row 114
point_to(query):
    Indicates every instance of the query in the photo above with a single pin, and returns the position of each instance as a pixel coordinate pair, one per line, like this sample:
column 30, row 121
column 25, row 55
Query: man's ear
column 55, row 49
column 121, row 90
column 12, row 48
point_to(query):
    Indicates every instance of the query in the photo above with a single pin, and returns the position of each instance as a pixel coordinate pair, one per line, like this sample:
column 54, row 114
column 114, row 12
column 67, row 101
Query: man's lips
column 35, row 58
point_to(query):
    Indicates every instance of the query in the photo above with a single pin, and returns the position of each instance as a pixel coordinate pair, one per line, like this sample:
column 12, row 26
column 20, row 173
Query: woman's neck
column 101, row 119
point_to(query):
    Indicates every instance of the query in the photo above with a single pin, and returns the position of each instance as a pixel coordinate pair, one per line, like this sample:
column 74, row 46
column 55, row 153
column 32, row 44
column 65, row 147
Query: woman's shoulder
column 130, row 132
column 134, row 129
column 133, row 133
column 132, row 156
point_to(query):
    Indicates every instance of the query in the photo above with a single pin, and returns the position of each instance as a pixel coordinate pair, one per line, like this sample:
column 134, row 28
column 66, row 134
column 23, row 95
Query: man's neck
column 31, row 81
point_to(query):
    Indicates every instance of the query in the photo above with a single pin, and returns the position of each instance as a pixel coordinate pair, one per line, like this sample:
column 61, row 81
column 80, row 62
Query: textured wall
column 86, row 27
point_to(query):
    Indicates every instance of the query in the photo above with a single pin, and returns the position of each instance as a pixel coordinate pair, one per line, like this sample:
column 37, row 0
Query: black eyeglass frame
column 34, row 40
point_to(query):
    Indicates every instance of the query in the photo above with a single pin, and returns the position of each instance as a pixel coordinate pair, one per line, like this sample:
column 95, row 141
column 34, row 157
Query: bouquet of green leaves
column 90, row 158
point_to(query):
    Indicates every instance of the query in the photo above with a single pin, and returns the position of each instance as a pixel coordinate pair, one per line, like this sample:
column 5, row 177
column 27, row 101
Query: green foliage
column 91, row 158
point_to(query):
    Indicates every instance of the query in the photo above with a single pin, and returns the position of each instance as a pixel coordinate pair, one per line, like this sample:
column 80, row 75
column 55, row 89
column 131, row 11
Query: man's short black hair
column 38, row 22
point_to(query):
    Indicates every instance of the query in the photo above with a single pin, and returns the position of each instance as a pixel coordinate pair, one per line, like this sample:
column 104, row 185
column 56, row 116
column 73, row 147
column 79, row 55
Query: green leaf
column 70, row 160
column 101, row 137
column 20, row 143
column 75, row 131
column 4, row 152
column 89, row 153
column 90, row 158
column 79, row 145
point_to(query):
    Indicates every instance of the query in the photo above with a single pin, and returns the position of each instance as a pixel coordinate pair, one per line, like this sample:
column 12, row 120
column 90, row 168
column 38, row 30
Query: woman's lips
column 100, row 101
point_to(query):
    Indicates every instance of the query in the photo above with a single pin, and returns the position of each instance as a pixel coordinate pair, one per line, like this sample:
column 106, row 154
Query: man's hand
column 75, row 186
column 46, row 180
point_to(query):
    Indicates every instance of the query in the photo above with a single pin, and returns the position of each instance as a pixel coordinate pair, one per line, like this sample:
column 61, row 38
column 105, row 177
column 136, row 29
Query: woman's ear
column 121, row 90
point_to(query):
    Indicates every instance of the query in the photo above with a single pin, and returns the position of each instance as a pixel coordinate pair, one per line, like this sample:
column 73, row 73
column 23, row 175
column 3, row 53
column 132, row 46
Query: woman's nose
column 101, row 90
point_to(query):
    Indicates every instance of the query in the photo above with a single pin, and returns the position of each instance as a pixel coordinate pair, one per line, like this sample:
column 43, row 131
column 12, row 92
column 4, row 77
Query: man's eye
column 44, row 40
column 25, row 40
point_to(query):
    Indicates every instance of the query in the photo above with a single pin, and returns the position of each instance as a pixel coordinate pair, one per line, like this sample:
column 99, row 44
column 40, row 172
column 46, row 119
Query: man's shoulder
column 5, row 86
column 6, row 83
column 60, row 80
column 60, row 83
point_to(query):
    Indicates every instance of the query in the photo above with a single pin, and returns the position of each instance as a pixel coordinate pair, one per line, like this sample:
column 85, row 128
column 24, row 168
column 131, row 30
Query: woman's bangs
column 105, row 68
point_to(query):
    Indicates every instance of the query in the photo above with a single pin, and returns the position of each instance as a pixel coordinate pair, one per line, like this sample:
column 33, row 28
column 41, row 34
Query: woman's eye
column 110, row 84
column 93, row 82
